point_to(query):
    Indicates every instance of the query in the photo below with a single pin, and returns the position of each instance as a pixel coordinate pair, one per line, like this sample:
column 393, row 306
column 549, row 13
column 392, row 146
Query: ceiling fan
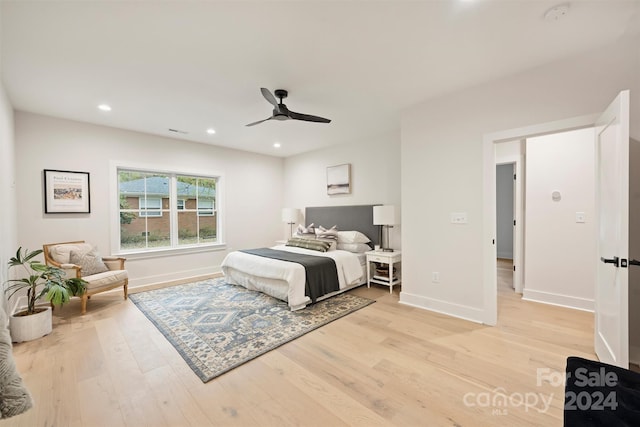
column 281, row 112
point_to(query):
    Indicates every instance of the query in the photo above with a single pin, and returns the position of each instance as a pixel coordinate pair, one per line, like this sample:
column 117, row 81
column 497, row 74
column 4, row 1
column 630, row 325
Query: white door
column 612, row 198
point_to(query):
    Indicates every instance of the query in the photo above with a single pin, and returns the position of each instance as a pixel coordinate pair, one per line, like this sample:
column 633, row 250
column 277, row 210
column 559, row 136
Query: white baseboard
column 456, row 310
column 176, row 276
column 567, row 301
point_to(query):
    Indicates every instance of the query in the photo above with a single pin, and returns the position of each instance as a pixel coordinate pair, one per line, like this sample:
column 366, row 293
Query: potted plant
column 41, row 281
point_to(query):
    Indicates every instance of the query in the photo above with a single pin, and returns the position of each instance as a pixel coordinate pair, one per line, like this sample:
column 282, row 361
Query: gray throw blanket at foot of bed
column 322, row 273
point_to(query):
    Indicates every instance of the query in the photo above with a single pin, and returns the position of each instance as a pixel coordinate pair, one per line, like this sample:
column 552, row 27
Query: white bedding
column 286, row 280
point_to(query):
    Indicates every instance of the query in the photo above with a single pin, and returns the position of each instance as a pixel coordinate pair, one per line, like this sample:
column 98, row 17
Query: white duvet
column 283, row 279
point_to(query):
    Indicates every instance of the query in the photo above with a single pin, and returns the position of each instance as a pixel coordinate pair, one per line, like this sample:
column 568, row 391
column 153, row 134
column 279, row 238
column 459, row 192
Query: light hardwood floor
column 387, row 364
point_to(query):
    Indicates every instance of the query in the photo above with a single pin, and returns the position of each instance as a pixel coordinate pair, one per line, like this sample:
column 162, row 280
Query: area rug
column 216, row 326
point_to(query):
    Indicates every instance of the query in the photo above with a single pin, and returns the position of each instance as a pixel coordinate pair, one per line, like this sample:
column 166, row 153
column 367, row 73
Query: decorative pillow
column 331, row 233
column 352, row 237
column 90, row 262
column 357, row 248
column 60, row 253
column 332, row 243
column 313, row 244
column 305, row 231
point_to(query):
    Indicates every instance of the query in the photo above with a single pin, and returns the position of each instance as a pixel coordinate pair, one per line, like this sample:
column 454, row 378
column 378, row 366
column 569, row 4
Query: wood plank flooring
column 387, row 364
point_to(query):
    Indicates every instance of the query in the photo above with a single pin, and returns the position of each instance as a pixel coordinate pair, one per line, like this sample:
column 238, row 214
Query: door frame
column 518, row 215
column 489, row 251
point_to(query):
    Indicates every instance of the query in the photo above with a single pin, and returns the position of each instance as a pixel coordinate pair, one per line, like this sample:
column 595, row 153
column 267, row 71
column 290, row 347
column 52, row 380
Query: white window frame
column 183, row 206
column 140, row 253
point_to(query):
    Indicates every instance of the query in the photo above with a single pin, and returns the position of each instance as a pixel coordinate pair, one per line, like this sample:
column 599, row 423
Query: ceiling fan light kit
column 281, row 112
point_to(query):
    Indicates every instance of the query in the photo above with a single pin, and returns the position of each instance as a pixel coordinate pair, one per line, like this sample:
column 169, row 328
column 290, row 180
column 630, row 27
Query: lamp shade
column 386, row 215
column 290, row 215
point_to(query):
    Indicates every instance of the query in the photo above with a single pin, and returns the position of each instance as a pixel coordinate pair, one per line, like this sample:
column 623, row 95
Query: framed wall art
column 66, row 192
column 339, row 179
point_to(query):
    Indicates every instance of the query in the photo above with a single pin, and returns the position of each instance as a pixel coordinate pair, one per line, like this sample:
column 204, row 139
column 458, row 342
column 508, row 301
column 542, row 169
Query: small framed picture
column 66, row 192
column 339, row 179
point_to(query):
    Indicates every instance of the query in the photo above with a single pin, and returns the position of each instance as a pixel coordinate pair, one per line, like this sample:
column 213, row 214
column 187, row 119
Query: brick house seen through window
column 146, row 211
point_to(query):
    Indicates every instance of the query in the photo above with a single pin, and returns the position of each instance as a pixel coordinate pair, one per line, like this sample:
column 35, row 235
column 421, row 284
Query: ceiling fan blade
column 308, row 117
column 269, row 97
column 259, row 121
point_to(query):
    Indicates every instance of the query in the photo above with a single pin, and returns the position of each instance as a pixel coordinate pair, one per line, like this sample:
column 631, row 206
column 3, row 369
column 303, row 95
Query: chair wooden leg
column 85, row 297
column 126, row 288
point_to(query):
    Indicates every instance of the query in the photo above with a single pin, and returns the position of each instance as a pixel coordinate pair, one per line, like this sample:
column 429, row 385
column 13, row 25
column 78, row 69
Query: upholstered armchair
column 80, row 259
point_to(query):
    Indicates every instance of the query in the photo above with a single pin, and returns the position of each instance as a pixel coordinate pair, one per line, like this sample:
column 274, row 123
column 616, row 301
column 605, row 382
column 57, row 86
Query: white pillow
column 357, row 248
column 352, row 237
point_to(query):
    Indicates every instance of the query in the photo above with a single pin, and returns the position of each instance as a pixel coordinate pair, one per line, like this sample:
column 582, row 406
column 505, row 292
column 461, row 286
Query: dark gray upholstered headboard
column 356, row 217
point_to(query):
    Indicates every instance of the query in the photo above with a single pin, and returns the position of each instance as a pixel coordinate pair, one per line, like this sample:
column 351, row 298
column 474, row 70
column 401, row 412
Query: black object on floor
column 599, row 394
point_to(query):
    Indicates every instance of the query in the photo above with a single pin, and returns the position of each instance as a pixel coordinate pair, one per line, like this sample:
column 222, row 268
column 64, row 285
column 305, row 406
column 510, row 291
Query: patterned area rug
column 216, row 326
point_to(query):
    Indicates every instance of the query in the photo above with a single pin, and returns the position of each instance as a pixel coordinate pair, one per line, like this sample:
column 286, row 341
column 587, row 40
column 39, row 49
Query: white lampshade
column 290, row 215
column 386, row 215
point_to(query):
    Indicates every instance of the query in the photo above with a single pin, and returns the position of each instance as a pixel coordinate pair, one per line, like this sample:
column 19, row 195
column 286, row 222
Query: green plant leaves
column 52, row 281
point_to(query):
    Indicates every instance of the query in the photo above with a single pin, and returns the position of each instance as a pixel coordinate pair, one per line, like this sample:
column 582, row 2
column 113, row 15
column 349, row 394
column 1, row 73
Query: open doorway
column 491, row 141
column 505, row 224
column 510, row 188
column 611, row 131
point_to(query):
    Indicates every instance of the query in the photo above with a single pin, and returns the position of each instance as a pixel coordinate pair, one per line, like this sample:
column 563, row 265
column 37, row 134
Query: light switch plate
column 581, row 217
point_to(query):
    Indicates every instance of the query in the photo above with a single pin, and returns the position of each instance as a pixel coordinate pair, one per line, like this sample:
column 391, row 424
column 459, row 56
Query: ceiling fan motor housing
column 281, row 93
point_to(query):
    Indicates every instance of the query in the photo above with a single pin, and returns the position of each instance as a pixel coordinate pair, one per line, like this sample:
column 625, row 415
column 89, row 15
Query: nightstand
column 382, row 276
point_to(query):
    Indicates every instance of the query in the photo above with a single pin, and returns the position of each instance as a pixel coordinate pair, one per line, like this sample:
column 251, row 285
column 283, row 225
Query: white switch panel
column 581, row 217
column 459, row 218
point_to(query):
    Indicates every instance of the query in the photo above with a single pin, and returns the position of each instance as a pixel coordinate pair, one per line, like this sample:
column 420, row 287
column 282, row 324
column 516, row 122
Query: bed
column 286, row 280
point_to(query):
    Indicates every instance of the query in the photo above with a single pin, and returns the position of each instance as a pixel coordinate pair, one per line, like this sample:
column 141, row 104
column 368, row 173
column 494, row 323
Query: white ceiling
column 192, row 65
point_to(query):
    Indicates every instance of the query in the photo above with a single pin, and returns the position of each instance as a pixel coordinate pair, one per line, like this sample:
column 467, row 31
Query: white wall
column 375, row 176
column 442, row 164
column 252, row 193
column 504, row 210
column 8, row 240
column 559, row 265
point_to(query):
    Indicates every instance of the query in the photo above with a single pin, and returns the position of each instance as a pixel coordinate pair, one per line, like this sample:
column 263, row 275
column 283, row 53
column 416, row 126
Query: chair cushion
column 89, row 262
column 108, row 278
column 62, row 253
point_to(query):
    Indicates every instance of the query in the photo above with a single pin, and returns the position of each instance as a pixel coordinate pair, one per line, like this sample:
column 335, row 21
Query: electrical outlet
column 435, row 277
column 581, row 217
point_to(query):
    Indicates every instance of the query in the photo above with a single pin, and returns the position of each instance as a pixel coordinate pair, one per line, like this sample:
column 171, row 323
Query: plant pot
column 31, row 327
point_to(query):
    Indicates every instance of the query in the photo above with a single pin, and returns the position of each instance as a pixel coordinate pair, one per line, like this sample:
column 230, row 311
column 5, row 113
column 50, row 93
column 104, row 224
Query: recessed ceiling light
column 104, row 107
column 276, row 144
column 211, row 131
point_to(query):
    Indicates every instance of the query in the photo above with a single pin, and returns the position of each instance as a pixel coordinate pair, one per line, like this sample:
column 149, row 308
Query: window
column 205, row 207
column 166, row 210
column 150, row 206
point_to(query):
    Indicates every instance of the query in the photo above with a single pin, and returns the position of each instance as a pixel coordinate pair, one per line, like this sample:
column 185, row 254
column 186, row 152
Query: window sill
column 163, row 252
